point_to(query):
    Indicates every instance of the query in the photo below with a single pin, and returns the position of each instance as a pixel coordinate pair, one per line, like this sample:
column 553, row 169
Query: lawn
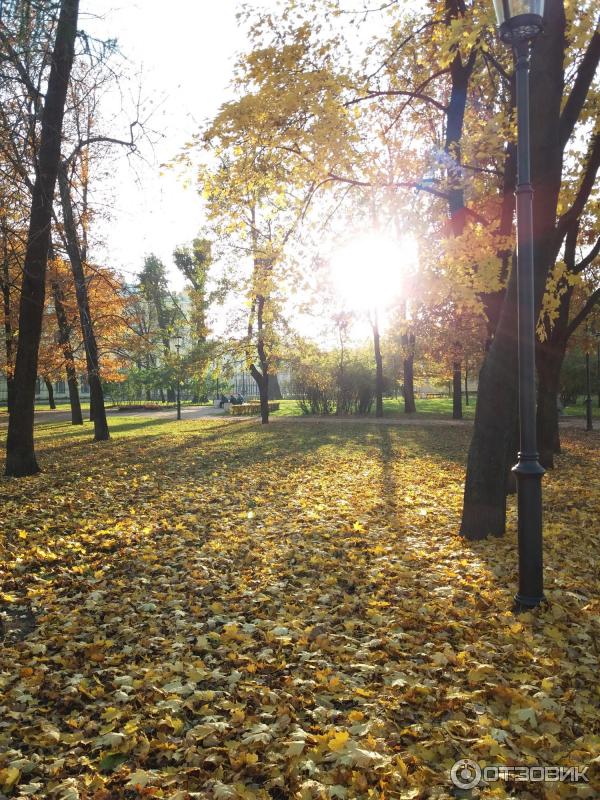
column 435, row 407
column 217, row 608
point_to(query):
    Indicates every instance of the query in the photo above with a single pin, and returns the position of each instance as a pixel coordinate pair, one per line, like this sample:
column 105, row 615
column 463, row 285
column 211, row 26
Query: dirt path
column 187, row 412
column 199, row 412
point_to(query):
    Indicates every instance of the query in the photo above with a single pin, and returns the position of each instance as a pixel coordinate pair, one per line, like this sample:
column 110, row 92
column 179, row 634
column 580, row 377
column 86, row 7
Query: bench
column 248, row 409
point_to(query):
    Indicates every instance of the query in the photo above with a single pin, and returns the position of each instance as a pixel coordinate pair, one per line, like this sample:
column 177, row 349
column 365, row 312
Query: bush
column 572, row 377
column 356, row 389
column 315, row 389
column 323, row 388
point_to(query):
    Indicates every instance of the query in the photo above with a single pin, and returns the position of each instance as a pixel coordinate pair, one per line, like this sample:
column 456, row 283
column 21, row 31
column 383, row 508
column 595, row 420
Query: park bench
column 248, row 409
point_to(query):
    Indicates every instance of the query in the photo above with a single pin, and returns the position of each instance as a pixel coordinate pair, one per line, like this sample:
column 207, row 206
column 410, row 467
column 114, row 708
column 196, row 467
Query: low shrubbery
column 324, row 386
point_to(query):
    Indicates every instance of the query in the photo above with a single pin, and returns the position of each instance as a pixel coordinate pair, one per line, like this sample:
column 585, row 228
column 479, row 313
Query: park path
column 187, row 412
column 199, row 412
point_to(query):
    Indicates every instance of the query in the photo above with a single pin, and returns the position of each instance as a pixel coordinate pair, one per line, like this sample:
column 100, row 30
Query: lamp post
column 591, row 334
column 520, row 22
column 178, row 338
column 598, row 369
column 589, row 426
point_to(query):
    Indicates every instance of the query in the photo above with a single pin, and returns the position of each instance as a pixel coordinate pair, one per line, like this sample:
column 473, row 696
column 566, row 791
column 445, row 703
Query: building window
column 38, row 386
column 60, row 387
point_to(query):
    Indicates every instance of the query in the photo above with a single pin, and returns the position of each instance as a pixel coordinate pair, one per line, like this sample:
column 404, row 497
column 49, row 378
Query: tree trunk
column 20, row 451
column 490, row 452
column 456, row 391
column 274, row 388
column 549, row 362
column 409, row 385
column 262, row 381
column 101, row 432
column 378, row 369
column 8, row 331
column 74, row 401
column 50, row 390
column 64, row 332
column 466, row 385
column 488, row 462
column 598, row 373
column 261, row 376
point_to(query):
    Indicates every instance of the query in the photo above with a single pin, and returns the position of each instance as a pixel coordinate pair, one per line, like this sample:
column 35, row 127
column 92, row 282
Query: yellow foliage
column 159, row 639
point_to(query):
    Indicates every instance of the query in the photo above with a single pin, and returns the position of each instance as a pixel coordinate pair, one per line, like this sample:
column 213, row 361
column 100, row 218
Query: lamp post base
column 522, row 603
column 529, row 474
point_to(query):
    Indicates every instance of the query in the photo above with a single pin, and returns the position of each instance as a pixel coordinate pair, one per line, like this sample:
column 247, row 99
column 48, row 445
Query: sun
column 368, row 271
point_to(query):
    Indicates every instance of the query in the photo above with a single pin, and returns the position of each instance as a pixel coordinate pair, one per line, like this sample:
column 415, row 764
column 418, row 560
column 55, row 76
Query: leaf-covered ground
column 220, row 611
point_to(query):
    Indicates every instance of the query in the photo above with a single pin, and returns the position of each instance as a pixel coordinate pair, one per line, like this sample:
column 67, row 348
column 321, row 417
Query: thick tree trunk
column 378, row 369
column 456, row 391
column 74, row 401
column 64, row 332
column 50, row 390
column 101, row 432
column 8, row 331
column 489, row 459
column 20, row 451
column 409, row 385
column 260, row 376
column 490, row 452
column 262, row 381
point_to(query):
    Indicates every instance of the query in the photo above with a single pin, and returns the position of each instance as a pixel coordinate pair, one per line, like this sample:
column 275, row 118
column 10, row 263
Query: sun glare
column 368, row 271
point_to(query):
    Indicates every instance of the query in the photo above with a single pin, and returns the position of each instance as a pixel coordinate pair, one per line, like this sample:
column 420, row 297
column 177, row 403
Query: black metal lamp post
column 591, row 333
column 520, row 22
column 598, row 369
column 177, row 347
column 589, row 425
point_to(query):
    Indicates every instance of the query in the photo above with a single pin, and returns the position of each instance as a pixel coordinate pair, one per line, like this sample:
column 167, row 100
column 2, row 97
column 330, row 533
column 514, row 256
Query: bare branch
column 579, row 92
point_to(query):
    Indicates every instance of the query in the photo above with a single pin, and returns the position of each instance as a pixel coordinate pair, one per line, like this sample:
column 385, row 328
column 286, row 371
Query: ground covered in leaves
column 221, row 611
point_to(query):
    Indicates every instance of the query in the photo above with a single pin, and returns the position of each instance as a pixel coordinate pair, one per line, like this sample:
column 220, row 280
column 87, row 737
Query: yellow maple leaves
column 327, row 647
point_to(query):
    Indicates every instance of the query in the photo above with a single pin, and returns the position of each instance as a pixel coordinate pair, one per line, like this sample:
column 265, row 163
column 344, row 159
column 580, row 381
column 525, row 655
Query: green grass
column 394, row 407
column 435, row 407
column 440, row 407
column 579, row 409
column 288, row 408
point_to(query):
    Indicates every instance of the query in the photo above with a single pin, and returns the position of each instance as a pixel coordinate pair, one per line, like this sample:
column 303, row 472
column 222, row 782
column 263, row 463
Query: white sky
column 186, row 50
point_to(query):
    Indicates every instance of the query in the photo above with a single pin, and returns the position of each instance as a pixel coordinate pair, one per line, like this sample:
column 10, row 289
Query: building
column 61, row 391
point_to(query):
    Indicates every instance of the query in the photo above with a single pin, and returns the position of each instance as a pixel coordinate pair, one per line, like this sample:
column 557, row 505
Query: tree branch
column 585, row 188
column 585, row 262
column 81, row 145
column 397, row 93
column 578, row 95
column 34, row 94
column 592, row 300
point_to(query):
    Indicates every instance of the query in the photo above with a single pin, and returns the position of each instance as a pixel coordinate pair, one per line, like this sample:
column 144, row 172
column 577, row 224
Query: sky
column 185, row 51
